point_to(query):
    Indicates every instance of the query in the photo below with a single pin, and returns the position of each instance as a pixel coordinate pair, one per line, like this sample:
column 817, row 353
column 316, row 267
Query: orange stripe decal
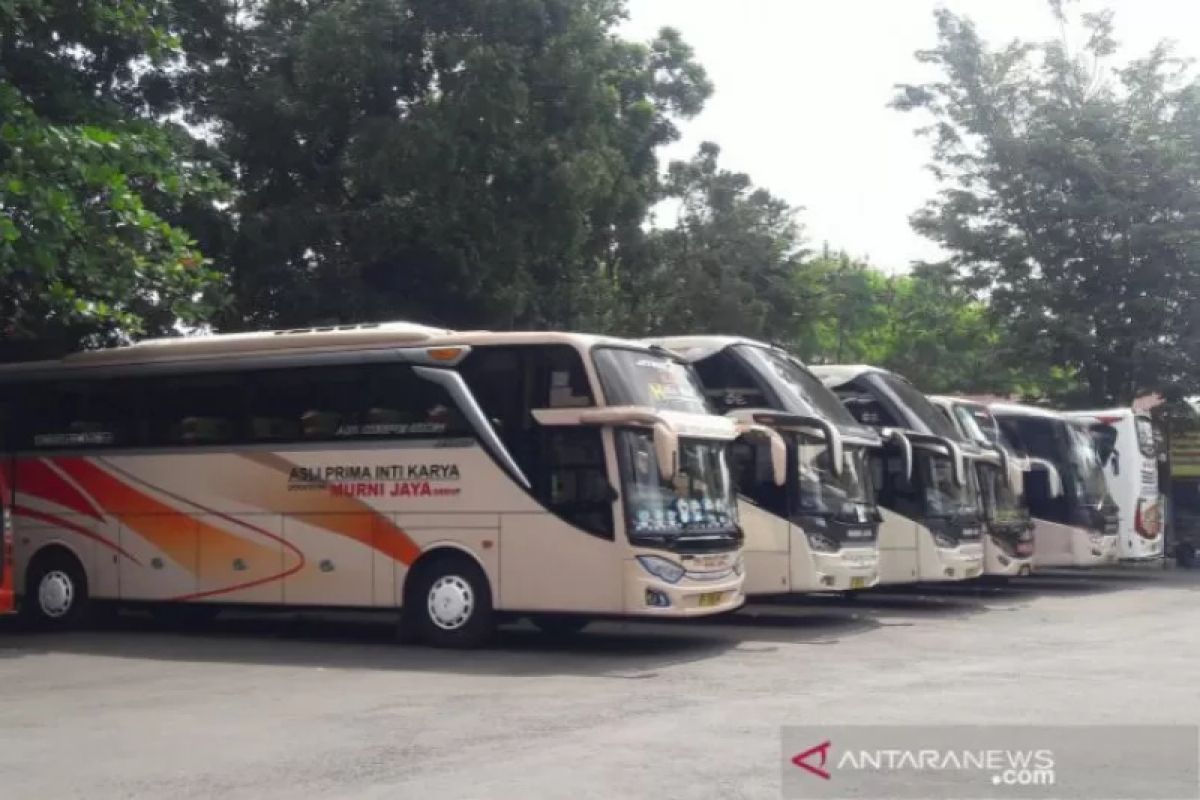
column 341, row 514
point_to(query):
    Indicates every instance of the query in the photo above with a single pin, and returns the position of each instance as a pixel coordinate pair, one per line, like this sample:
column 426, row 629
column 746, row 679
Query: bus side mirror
column 901, row 441
column 1043, row 480
column 776, row 444
column 666, row 451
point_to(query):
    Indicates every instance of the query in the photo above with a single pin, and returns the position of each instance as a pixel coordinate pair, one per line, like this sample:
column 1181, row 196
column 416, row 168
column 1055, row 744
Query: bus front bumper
column 648, row 595
column 846, row 570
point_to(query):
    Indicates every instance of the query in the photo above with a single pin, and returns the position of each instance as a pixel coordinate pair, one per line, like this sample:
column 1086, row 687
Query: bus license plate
column 858, row 583
column 711, row 599
column 972, row 572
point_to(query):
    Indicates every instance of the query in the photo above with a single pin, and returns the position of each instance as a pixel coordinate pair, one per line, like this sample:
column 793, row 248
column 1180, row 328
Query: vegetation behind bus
column 496, row 164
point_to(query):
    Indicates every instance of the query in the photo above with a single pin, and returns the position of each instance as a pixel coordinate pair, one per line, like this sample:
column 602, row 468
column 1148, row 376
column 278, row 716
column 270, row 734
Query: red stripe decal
column 31, row 513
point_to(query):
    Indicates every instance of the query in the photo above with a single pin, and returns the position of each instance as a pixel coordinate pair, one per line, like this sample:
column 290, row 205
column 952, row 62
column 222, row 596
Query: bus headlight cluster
column 944, row 541
column 821, row 543
column 739, row 566
column 669, row 571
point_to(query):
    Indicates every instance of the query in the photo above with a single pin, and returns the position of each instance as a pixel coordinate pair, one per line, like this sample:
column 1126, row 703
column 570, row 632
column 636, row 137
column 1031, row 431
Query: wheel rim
column 56, row 594
column 451, row 602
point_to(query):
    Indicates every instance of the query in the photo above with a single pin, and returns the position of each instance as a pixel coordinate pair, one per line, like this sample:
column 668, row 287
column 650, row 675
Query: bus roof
column 342, row 338
column 694, row 348
column 1110, row 413
column 837, row 374
column 1022, row 410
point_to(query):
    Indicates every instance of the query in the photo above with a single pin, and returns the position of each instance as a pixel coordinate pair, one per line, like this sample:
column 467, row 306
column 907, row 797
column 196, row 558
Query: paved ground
column 317, row 708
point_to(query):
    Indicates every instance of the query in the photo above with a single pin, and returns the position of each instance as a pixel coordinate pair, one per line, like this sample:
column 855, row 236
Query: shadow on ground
column 619, row 649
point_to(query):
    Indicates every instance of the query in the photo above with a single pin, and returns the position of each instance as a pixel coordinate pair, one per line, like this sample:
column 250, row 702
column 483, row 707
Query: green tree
column 90, row 180
column 727, row 264
column 471, row 163
column 1069, row 197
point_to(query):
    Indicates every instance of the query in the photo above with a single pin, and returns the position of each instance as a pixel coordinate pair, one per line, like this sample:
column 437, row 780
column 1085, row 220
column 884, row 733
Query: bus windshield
column 823, row 492
column 699, row 500
column 919, row 406
column 944, row 497
column 1086, row 469
column 807, row 387
column 639, row 378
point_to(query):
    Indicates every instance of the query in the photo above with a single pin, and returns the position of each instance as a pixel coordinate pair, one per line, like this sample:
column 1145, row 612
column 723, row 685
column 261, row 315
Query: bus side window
column 571, row 478
column 728, row 384
column 197, row 409
column 399, row 403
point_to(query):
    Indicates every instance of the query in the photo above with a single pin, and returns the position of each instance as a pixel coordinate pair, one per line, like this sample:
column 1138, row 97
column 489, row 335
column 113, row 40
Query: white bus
column 1008, row 545
column 460, row 476
column 1126, row 446
column 927, row 492
column 1074, row 516
column 818, row 531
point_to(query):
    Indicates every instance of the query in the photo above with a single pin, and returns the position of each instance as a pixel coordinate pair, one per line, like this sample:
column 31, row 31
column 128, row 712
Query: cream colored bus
column 464, row 477
column 817, row 532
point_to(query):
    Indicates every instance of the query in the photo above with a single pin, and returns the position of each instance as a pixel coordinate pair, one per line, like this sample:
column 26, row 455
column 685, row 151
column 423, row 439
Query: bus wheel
column 56, row 592
column 450, row 604
column 1185, row 555
column 560, row 626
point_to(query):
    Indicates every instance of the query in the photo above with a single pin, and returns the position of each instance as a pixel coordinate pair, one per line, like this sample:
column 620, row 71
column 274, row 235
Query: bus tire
column 560, row 626
column 1185, row 555
column 449, row 603
column 56, row 591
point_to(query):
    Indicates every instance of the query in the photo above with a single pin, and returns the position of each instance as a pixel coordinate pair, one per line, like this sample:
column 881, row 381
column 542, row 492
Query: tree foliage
column 1070, row 198
column 725, row 266
column 89, row 182
column 474, row 163
column 924, row 325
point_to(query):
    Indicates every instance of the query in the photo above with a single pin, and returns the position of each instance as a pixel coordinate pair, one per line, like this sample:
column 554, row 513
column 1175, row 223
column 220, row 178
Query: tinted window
column 728, row 383
column 81, row 414
column 197, row 409
column 808, row 394
column 378, row 401
column 750, row 463
column 571, row 478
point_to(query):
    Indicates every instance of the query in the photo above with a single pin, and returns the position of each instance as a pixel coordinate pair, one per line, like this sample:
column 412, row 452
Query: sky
column 802, row 88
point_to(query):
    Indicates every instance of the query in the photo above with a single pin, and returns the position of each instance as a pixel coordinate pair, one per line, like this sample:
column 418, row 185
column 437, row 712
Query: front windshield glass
column 944, row 497
column 823, row 492
column 640, row 378
column 806, row 387
column 700, row 498
column 1086, row 470
column 919, row 406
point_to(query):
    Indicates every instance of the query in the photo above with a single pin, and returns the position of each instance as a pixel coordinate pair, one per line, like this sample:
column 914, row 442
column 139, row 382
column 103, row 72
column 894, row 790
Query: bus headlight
column 739, row 566
column 944, row 541
column 821, row 543
column 669, row 571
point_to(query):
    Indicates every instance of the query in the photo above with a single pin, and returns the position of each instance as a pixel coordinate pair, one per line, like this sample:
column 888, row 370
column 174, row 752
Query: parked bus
column 455, row 475
column 1125, row 443
column 818, row 532
column 927, row 493
column 1008, row 545
column 1075, row 519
